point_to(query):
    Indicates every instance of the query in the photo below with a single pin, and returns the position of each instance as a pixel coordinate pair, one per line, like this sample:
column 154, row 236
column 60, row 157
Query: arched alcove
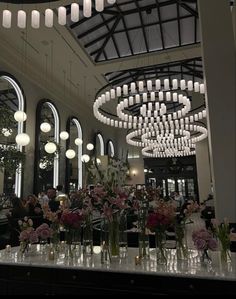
column 110, row 149
column 46, row 165
column 74, row 167
column 12, row 98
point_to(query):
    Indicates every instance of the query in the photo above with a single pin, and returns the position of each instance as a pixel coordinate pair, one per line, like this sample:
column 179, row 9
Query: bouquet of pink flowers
column 71, row 219
column 203, row 240
column 28, row 234
column 162, row 217
column 44, row 232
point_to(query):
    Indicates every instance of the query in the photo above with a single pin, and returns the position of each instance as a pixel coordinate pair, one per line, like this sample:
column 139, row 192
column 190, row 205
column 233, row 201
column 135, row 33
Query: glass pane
column 164, row 188
column 190, row 187
column 181, row 187
column 171, row 185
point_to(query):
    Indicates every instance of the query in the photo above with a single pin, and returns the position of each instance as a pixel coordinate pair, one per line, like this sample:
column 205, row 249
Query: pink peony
column 200, row 244
column 212, row 244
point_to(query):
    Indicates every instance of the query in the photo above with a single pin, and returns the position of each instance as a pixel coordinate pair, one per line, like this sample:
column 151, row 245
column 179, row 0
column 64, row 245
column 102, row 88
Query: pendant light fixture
column 88, row 7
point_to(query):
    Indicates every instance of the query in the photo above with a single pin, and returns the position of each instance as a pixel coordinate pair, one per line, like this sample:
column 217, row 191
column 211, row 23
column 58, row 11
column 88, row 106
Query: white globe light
column 22, row 139
column 42, row 165
column 64, row 135
column 90, row 146
column 70, row 154
column 50, row 147
column 45, row 127
column 78, row 141
column 20, row 116
column 85, row 158
column 99, row 162
column 6, row 132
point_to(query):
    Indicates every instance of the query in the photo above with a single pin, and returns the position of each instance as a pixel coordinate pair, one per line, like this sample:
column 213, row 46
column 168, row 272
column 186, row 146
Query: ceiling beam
column 143, row 60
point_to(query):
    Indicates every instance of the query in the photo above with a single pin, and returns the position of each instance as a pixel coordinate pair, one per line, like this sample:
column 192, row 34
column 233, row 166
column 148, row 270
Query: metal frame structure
column 139, row 26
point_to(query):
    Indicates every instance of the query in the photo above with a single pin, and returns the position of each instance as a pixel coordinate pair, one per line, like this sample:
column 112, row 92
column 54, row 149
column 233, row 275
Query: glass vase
column 104, row 241
column 204, row 257
column 113, row 228
column 225, row 253
column 143, row 237
column 181, row 242
column 55, row 237
column 161, row 253
column 24, row 248
column 43, row 246
column 88, row 236
column 73, row 241
column 123, row 243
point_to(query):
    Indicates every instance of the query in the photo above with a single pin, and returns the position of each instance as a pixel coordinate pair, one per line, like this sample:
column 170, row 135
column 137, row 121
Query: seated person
column 34, row 210
column 17, row 213
column 53, row 204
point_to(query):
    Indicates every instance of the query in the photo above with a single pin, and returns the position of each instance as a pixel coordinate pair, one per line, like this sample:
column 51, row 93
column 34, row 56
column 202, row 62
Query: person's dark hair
column 51, row 188
column 16, row 202
column 59, row 188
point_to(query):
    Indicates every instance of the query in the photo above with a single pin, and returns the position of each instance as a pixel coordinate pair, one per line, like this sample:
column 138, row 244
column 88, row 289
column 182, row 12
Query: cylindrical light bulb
column 6, row 18
column 35, row 19
column 75, row 12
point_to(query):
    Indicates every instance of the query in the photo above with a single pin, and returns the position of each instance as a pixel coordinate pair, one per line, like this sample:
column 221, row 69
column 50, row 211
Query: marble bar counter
column 36, row 274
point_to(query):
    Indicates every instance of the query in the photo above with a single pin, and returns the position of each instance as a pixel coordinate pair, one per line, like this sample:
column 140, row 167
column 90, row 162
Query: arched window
column 74, row 175
column 110, row 149
column 47, row 165
column 12, row 97
column 100, row 148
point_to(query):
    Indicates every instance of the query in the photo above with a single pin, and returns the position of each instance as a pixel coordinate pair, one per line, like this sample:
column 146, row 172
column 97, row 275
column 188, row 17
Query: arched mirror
column 74, row 169
column 11, row 154
column 110, row 149
column 100, row 148
column 47, row 146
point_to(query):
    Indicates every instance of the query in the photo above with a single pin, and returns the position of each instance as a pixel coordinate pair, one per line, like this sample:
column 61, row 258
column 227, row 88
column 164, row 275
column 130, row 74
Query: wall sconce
column 134, row 172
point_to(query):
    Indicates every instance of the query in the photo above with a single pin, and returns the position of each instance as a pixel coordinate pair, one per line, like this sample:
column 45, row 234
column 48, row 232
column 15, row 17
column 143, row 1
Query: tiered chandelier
column 48, row 15
column 164, row 125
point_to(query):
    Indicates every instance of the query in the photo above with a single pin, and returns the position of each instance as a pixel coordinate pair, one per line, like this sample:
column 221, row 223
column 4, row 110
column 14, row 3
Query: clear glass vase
column 143, row 235
column 88, row 236
column 204, row 257
column 225, row 253
column 55, row 237
column 104, row 241
column 181, row 242
column 43, row 246
column 73, row 241
column 113, row 230
column 161, row 253
column 123, row 243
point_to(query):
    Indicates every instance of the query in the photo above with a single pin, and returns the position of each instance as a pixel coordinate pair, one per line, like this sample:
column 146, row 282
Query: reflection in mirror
column 74, row 178
column 48, row 146
column 100, row 148
column 110, row 149
column 11, row 100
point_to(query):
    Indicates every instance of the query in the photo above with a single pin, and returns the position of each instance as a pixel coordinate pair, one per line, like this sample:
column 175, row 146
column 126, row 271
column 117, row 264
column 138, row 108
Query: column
column 219, row 64
column 203, row 169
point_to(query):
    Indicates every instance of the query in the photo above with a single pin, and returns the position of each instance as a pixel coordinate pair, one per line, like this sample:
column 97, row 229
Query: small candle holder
column 8, row 249
column 137, row 260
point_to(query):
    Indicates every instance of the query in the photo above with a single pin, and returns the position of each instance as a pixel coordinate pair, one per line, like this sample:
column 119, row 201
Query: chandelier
column 159, row 113
column 36, row 16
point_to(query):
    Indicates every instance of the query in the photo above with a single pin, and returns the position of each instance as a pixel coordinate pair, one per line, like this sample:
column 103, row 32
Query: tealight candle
column 8, row 249
column 137, row 260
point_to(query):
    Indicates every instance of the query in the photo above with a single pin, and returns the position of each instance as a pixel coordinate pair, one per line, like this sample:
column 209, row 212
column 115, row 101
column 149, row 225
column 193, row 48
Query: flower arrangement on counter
column 28, row 235
column 204, row 240
column 222, row 233
column 44, row 232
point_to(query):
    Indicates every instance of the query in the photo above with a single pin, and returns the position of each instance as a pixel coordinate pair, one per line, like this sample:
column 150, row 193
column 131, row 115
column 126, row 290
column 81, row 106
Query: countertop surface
column 191, row 268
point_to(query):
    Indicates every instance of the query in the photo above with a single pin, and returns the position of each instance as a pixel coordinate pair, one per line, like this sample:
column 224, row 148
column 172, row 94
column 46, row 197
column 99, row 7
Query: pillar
column 203, row 169
column 218, row 51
